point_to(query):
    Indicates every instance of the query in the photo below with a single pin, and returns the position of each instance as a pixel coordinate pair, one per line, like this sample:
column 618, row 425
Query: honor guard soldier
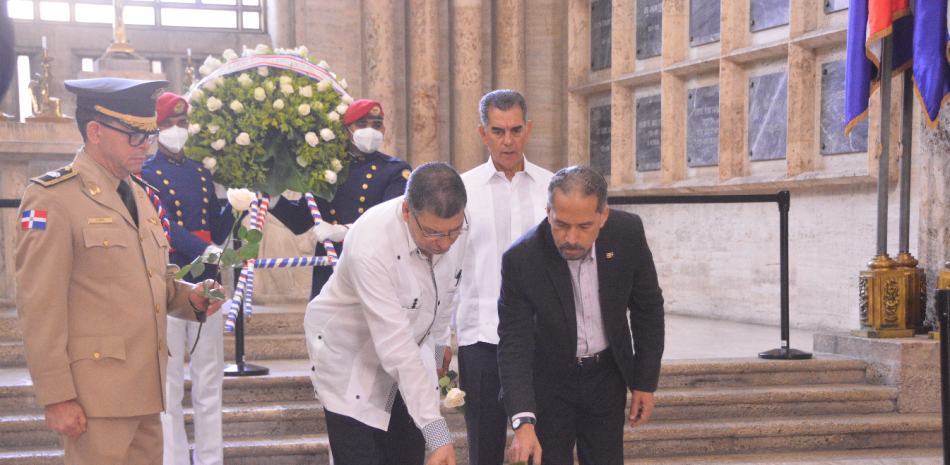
column 198, row 223
column 94, row 285
column 374, row 178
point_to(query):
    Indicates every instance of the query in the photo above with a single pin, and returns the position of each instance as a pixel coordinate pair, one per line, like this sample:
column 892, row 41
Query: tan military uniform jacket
column 92, row 295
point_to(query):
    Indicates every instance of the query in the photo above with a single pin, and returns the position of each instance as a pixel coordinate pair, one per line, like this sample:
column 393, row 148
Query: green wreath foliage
column 281, row 124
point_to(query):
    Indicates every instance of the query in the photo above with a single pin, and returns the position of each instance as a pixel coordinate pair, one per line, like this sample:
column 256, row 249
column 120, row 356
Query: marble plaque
column 768, row 116
column 832, row 6
column 702, row 126
column 766, row 14
column 600, row 139
column 704, row 21
column 833, row 120
column 649, row 28
column 648, row 133
column 600, row 34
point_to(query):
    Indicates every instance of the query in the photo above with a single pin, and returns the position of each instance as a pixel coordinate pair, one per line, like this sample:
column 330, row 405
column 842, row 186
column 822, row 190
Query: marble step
column 783, row 435
column 932, row 456
column 32, row 456
column 268, row 347
column 12, row 354
column 276, row 320
column 732, row 372
column 9, row 326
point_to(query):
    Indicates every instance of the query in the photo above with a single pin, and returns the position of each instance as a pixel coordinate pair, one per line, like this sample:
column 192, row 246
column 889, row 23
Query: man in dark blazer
column 566, row 357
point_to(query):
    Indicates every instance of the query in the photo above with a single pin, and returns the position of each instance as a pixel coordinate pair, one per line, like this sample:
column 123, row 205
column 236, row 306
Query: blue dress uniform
column 196, row 216
column 373, row 179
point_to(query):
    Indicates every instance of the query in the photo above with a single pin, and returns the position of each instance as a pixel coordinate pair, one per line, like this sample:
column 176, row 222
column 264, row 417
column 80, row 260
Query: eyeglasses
column 440, row 235
column 135, row 138
column 167, row 124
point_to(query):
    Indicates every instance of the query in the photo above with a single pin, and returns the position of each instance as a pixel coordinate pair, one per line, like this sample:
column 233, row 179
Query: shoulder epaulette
column 55, row 177
column 145, row 185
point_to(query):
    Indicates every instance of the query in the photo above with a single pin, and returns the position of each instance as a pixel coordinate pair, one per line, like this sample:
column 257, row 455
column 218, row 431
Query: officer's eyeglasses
column 135, row 138
column 440, row 235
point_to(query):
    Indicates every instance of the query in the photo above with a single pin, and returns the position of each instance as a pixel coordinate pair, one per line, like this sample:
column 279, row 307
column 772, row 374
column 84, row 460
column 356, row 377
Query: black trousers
column 586, row 408
column 485, row 418
column 353, row 442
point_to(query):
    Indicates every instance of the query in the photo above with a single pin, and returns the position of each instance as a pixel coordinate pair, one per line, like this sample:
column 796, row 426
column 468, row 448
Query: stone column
column 578, row 73
column 379, row 65
column 467, row 146
column 934, row 188
column 509, row 54
column 423, row 83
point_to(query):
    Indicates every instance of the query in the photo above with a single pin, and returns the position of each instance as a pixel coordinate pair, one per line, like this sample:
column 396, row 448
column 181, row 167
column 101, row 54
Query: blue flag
column 862, row 73
column 931, row 68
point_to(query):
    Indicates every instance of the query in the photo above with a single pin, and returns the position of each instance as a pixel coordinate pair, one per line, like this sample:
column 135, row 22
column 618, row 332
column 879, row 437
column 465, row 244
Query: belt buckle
column 581, row 361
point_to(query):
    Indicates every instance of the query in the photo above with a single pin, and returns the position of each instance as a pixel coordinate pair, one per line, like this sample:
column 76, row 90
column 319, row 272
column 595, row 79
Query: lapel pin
column 610, row 255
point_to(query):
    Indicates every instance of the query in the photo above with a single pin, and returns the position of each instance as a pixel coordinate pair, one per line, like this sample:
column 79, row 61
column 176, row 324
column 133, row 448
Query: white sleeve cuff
column 523, row 415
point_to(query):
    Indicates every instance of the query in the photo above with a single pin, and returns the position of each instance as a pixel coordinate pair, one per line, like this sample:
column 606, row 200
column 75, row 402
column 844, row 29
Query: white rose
column 303, row 109
column 306, row 91
column 312, row 139
column 347, row 100
column 323, row 65
column 210, row 163
column 286, row 89
column 218, row 144
column 263, row 71
column 218, row 80
column 240, row 199
column 243, row 139
column 303, row 51
column 278, row 104
column 285, row 80
column 327, row 134
column 261, row 49
column 237, row 107
column 269, row 86
column 211, row 85
column 259, row 94
column 205, row 70
column 229, row 55
column 301, row 161
column 336, row 165
column 212, row 63
column 334, row 116
column 196, row 95
column 191, row 108
column 330, row 175
column 344, row 84
column 333, row 74
column 194, row 129
column 455, row 398
column 213, row 129
column 322, row 86
column 341, row 108
column 244, row 79
column 280, row 51
column 214, row 104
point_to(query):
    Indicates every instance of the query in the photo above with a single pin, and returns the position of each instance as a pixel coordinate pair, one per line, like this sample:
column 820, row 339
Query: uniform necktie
column 126, row 193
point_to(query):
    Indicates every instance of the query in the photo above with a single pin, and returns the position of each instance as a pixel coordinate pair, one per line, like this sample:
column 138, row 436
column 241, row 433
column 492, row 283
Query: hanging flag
column 931, row 68
column 869, row 21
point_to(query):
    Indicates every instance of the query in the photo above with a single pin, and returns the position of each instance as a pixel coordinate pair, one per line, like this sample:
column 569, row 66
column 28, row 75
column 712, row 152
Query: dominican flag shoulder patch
column 33, row 219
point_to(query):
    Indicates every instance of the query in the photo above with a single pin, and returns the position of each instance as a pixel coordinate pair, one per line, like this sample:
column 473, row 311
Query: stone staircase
column 730, row 410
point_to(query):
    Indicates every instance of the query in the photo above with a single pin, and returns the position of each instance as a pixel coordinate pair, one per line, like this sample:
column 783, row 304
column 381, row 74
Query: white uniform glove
column 334, row 232
column 211, row 249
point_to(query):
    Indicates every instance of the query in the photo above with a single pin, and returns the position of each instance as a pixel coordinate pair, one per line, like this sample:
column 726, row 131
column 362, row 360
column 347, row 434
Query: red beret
column 170, row 105
column 362, row 108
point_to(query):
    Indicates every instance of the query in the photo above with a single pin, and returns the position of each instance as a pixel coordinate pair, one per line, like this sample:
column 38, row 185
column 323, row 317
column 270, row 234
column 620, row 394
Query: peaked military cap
column 129, row 101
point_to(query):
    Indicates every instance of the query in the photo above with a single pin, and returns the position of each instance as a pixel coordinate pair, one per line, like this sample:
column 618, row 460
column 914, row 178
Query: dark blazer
column 537, row 322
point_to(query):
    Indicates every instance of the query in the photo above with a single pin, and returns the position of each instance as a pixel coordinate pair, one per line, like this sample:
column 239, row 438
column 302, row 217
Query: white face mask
column 367, row 139
column 173, row 138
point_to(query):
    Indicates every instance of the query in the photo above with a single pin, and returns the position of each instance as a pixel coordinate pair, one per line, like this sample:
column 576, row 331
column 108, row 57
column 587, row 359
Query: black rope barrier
column 783, row 199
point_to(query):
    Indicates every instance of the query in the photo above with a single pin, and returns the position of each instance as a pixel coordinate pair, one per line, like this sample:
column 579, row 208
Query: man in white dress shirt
column 507, row 196
column 377, row 332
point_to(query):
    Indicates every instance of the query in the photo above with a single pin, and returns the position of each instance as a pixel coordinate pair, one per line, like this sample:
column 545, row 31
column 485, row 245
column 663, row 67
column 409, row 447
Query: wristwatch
column 521, row 421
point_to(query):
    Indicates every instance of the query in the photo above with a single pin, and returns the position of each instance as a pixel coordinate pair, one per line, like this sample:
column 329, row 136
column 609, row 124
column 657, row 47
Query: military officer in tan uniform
column 94, row 285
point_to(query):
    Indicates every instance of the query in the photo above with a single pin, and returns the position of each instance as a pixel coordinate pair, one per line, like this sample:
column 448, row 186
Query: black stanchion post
column 785, row 352
column 239, row 368
column 942, row 304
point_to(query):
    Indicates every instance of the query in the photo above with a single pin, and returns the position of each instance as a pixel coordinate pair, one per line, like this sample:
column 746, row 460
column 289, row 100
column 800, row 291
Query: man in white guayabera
column 379, row 328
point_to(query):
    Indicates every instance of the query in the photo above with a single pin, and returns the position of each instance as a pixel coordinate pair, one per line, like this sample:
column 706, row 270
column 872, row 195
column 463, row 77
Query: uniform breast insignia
column 33, row 219
column 55, row 177
column 406, row 173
